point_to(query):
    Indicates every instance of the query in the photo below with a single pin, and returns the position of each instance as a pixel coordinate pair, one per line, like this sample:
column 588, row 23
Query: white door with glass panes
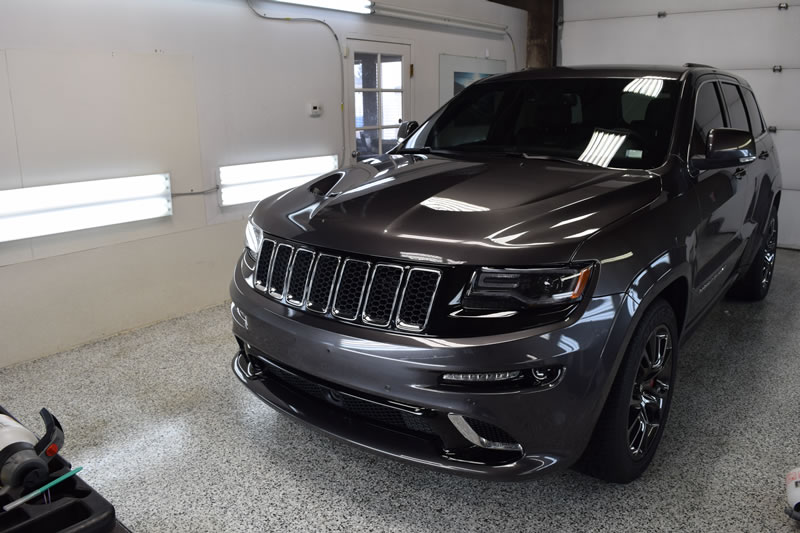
column 379, row 78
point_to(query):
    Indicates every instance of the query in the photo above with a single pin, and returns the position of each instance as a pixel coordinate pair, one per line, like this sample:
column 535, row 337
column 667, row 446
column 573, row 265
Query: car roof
column 609, row 71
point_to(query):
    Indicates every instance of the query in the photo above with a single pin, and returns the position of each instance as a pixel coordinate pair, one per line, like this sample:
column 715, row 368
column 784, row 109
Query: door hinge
column 411, row 70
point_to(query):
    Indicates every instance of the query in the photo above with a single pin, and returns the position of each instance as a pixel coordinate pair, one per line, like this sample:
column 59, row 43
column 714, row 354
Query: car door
column 721, row 195
column 754, row 172
column 760, row 171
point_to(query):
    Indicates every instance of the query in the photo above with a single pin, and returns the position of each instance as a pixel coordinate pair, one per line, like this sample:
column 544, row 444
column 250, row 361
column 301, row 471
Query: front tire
column 633, row 419
column 755, row 283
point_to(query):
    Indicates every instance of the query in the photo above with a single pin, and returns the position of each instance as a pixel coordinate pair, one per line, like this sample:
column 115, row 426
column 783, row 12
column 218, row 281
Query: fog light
column 483, row 376
column 547, row 375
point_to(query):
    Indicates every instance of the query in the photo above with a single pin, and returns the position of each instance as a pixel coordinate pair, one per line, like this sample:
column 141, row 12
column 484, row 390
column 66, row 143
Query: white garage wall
column 97, row 89
column 746, row 37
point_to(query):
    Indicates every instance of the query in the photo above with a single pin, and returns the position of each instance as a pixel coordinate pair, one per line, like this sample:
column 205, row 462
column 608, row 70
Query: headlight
column 252, row 237
column 504, row 289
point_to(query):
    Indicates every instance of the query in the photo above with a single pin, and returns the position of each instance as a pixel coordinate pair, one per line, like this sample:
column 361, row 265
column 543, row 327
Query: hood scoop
column 324, row 186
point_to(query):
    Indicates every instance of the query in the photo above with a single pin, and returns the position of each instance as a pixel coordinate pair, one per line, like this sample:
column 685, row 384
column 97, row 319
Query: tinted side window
column 736, row 110
column 753, row 112
column 707, row 116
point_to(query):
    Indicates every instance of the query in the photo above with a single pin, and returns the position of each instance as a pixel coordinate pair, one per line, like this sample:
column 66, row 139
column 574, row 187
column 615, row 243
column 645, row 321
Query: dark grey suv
column 506, row 291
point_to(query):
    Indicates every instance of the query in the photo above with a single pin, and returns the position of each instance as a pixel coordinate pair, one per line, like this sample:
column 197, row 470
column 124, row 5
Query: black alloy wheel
column 633, row 419
column 754, row 284
column 768, row 253
column 650, row 392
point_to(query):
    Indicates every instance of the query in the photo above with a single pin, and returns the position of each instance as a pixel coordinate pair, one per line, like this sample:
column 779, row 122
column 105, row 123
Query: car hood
column 494, row 211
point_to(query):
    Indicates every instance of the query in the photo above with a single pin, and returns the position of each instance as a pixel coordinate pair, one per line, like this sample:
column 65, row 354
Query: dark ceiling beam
column 542, row 30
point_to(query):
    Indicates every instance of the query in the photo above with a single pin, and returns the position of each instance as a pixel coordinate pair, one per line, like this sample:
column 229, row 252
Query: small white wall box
column 314, row 109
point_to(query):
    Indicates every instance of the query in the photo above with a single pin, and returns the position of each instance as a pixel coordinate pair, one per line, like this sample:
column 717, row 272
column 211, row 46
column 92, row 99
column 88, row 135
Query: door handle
column 763, row 155
column 355, row 153
column 739, row 173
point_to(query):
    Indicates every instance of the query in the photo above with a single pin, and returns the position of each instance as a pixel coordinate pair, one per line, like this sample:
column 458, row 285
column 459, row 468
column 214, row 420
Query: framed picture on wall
column 458, row 72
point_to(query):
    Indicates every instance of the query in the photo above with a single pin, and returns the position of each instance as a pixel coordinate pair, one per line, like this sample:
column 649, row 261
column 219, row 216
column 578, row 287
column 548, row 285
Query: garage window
column 378, row 81
column 736, row 110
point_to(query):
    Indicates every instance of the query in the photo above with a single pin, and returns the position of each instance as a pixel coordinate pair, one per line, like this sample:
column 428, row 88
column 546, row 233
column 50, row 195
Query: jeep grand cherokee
column 506, row 291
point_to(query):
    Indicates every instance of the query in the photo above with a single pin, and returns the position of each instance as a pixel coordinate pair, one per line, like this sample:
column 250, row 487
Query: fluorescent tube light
column 50, row 209
column 416, row 15
column 240, row 184
column 352, row 6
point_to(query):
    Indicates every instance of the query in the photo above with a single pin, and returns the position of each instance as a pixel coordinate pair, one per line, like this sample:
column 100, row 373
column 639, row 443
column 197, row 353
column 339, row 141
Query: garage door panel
column 728, row 35
column 789, row 220
column 776, row 95
column 590, row 9
column 711, row 37
column 788, row 144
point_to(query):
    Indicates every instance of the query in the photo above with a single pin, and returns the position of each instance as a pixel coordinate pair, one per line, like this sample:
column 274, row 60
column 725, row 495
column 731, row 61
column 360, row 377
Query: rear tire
column 633, row 419
column 755, row 283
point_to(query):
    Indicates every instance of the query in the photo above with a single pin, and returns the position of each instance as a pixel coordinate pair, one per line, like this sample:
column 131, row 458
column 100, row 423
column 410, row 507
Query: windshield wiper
column 420, row 150
column 556, row 158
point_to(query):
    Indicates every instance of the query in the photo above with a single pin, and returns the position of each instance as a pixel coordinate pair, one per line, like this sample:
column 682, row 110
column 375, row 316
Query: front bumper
column 550, row 424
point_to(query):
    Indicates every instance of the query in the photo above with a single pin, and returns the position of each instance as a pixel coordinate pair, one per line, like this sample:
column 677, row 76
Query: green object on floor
column 38, row 492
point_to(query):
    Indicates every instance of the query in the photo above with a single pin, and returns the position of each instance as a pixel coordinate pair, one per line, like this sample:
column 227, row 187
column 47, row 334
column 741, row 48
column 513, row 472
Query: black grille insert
column 301, row 268
column 323, row 278
column 382, row 294
column 417, row 299
column 351, row 289
column 280, row 267
column 264, row 259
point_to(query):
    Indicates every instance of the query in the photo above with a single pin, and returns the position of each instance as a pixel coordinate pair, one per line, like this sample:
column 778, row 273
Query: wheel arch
column 667, row 276
column 677, row 295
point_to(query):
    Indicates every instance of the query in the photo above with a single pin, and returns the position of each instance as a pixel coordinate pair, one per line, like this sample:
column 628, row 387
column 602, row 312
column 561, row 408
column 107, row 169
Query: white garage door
column 747, row 37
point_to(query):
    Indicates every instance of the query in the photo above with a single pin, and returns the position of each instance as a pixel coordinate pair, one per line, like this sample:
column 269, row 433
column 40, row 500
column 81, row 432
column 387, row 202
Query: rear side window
column 736, row 110
column 756, row 123
column 707, row 116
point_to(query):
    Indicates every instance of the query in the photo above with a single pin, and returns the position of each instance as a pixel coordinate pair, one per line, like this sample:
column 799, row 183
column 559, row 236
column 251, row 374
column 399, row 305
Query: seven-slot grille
column 377, row 294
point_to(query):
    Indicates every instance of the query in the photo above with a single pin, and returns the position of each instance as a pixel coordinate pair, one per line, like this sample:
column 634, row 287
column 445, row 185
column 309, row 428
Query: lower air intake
column 489, row 432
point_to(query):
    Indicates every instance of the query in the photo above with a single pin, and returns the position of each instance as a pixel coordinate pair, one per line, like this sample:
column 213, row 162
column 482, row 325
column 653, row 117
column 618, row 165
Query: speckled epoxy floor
column 169, row 436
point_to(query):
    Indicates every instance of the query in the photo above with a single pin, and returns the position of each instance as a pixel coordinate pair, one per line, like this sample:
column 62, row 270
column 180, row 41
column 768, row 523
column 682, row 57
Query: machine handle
column 53, row 440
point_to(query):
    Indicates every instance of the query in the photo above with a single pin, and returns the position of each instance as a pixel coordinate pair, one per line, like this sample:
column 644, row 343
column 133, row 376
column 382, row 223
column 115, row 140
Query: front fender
column 652, row 282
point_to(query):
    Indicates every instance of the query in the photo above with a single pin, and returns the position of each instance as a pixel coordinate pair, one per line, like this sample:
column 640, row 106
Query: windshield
column 617, row 122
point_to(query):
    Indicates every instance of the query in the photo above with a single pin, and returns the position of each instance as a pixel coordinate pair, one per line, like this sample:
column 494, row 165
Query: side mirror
column 725, row 148
column 406, row 129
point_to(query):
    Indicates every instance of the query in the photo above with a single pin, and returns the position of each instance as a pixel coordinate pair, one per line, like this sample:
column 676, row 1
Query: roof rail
column 690, row 65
